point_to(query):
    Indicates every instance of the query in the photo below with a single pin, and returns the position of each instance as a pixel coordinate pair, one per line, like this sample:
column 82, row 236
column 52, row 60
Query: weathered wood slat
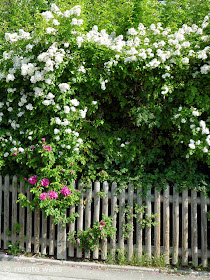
column 130, row 221
column 36, row 230
column 157, row 227
column 121, row 219
column 88, row 214
column 175, row 226
column 114, row 217
column 139, row 225
column 52, row 237
column 44, row 235
column 71, row 229
column 96, row 213
column 29, row 223
column 148, row 238
column 6, row 210
column 80, row 220
column 194, row 227
column 105, row 212
column 61, row 241
column 22, row 219
column 204, row 258
column 166, row 224
column 14, row 210
column 185, row 227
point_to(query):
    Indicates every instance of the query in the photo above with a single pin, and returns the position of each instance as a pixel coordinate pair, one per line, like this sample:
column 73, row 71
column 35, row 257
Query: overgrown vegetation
column 79, row 102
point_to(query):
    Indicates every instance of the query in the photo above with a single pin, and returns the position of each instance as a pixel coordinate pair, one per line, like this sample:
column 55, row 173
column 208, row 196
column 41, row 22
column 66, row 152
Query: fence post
column 121, row 219
column 204, row 231
column 166, row 217
column 148, row 227
column 52, row 237
column 157, row 227
column 88, row 214
column 130, row 221
column 29, row 223
column 105, row 212
column 22, row 217
column 6, row 210
column 72, row 228
column 194, row 227
column 80, row 219
column 61, row 242
column 139, row 225
column 114, row 216
column 175, row 226
column 185, row 227
column 96, row 212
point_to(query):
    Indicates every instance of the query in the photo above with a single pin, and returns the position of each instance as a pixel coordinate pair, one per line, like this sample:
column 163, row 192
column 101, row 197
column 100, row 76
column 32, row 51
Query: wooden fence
column 181, row 230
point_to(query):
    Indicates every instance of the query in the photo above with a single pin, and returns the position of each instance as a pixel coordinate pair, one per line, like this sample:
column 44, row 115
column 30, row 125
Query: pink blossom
column 43, row 139
column 32, row 180
column 102, row 172
column 45, row 182
column 65, row 191
column 102, row 223
column 72, row 172
column 102, row 234
column 15, row 154
column 78, row 240
column 43, row 196
column 53, row 194
column 47, row 148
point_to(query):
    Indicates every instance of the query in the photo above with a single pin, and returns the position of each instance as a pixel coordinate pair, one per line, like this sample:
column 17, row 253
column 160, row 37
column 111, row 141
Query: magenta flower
column 47, row 148
column 45, row 182
column 102, row 223
column 53, row 194
column 32, row 180
column 43, row 139
column 65, row 191
column 78, row 240
column 15, row 154
column 43, row 196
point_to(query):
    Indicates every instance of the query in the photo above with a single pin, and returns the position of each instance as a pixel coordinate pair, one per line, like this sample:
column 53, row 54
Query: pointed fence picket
column 181, row 230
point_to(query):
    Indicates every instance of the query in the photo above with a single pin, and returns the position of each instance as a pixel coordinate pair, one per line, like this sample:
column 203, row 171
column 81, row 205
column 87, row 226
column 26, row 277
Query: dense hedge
column 85, row 103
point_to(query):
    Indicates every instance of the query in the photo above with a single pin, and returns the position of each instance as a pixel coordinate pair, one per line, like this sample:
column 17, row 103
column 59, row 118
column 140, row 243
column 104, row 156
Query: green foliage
column 14, row 249
column 86, row 104
column 89, row 239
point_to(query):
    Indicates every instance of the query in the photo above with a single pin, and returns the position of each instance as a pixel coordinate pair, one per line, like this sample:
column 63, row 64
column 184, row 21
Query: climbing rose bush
column 127, row 107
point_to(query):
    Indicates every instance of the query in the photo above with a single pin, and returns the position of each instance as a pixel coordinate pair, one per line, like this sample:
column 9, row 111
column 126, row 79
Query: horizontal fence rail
column 181, row 227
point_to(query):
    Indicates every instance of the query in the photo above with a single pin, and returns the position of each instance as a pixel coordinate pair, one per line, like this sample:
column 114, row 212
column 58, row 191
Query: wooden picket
column 166, row 224
column 173, row 235
column 175, row 254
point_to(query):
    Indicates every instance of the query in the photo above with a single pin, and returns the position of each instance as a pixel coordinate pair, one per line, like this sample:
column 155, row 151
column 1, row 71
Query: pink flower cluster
column 47, row 148
column 65, row 191
column 50, row 194
column 45, row 182
column 43, row 196
column 101, row 225
column 53, row 194
column 33, row 180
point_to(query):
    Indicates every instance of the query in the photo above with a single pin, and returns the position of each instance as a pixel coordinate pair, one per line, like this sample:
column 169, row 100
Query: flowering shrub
column 89, row 104
column 89, row 239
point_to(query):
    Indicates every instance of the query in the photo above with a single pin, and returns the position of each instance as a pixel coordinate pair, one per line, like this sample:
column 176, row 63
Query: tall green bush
column 85, row 103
